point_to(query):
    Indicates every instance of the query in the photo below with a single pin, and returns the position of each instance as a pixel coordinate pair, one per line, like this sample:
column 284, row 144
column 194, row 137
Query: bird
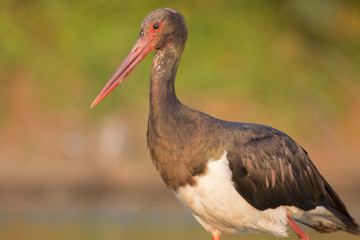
column 233, row 177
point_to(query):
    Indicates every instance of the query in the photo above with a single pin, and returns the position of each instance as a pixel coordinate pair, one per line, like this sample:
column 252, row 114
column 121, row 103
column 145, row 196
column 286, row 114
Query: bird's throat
column 162, row 79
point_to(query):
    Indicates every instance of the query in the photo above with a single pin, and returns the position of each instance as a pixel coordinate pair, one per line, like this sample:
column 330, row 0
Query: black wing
column 271, row 170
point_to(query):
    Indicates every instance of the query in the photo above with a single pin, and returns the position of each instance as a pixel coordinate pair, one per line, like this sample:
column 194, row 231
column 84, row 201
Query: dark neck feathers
column 162, row 79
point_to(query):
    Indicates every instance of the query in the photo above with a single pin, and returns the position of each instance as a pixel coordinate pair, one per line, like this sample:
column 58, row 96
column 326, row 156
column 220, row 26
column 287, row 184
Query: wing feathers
column 271, row 170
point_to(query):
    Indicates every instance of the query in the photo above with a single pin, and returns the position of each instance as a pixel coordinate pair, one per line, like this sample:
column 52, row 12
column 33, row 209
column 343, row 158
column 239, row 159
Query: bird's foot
column 216, row 234
column 301, row 234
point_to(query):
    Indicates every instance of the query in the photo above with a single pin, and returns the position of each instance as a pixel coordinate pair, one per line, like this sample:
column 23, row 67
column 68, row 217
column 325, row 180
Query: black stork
column 234, row 177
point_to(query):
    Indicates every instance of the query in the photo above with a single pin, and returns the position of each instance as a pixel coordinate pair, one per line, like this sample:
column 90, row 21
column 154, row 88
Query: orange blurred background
column 291, row 65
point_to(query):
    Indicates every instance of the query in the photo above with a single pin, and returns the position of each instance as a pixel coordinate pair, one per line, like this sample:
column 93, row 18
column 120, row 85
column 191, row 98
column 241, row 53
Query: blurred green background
column 67, row 172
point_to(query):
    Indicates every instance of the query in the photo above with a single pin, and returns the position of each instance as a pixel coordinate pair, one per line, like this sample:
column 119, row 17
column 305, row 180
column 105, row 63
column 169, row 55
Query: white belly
column 216, row 204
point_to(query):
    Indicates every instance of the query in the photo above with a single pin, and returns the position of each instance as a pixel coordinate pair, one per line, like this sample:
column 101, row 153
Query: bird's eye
column 156, row 25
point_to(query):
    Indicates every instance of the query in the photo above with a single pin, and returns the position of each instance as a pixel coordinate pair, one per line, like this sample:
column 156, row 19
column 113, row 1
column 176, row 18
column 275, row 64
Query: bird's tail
column 337, row 207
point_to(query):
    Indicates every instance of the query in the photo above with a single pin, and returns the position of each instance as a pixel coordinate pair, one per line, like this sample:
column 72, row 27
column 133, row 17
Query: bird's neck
column 162, row 78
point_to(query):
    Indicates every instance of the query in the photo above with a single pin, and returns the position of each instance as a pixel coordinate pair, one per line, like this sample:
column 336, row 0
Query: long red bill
column 142, row 47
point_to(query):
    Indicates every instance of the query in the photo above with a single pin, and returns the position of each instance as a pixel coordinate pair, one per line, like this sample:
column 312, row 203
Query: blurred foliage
column 275, row 52
column 293, row 61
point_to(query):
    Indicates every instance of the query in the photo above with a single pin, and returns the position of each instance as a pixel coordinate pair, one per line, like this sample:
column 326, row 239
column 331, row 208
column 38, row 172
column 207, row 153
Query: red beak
column 142, row 47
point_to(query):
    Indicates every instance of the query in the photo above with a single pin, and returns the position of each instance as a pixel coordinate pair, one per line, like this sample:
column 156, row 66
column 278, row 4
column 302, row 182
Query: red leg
column 301, row 234
column 216, row 234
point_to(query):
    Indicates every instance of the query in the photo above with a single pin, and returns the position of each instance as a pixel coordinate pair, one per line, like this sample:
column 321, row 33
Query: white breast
column 216, row 204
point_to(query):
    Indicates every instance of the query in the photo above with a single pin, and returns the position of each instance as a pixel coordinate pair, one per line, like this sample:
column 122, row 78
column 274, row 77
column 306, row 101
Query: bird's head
column 162, row 28
column 166, row 27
